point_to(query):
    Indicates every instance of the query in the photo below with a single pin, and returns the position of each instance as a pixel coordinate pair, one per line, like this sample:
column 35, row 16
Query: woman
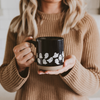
column 80, row 75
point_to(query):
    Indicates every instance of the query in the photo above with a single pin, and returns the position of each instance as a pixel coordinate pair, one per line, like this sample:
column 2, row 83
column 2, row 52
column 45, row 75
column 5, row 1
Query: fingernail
column 65, row 64
column 31, row 37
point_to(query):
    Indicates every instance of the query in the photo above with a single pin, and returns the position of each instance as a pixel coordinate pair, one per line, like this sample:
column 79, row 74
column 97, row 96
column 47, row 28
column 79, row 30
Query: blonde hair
column 26, row 21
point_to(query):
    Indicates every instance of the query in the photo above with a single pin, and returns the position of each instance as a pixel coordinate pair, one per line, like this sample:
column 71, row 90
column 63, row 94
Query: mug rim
column 50, row 38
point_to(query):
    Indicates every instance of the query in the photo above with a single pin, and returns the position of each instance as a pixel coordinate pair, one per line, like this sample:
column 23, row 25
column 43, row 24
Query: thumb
column 28, row 38
column 69, row 60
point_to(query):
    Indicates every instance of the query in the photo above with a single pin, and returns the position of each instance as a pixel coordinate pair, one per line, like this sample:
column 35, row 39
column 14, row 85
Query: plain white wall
column 93, row 6
column 10, row 8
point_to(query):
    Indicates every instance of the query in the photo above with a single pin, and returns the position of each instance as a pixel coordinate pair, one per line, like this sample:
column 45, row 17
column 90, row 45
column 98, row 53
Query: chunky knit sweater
column 82, row 80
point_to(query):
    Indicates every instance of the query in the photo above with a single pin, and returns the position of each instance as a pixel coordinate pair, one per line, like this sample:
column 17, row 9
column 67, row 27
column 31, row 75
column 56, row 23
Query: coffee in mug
column 49, row 52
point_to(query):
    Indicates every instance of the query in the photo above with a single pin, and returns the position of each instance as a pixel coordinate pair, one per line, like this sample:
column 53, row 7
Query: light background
column 9, row 9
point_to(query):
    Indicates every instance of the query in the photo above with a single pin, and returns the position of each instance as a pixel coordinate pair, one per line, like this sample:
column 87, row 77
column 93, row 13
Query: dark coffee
column 49, row 52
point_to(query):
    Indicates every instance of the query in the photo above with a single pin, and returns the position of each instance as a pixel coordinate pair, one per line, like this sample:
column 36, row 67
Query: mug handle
column 35, row 44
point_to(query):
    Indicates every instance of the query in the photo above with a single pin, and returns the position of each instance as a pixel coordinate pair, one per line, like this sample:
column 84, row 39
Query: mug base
column 50, row 68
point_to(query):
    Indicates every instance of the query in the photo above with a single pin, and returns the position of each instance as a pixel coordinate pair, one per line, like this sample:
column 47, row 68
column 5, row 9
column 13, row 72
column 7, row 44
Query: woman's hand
column 68, row 64
column 23, row 54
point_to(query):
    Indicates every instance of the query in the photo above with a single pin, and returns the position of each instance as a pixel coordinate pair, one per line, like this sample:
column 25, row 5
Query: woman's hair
column 26, row 21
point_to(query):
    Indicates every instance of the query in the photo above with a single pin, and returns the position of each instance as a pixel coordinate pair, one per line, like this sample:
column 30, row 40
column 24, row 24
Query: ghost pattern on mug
column 56, row 58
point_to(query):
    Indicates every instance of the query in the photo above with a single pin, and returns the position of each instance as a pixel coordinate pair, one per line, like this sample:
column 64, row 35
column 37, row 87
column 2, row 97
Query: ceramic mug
column 49, row 52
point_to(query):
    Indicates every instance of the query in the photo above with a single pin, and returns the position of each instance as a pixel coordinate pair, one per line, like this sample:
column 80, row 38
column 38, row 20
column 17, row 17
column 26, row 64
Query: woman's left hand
column 68, row 64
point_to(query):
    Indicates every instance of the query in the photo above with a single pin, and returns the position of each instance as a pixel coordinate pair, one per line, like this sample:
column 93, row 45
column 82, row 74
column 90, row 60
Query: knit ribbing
column 54, row 16
column 15, row 80
column 83, row 79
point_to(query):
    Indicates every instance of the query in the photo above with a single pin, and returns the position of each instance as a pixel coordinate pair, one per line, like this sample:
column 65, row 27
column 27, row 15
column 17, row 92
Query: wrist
column 65, row 73
column 24, row 73
column 20, row 68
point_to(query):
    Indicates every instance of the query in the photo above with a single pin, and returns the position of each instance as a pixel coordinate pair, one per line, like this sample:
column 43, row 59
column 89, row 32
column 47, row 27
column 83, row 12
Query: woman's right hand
column 24, row 55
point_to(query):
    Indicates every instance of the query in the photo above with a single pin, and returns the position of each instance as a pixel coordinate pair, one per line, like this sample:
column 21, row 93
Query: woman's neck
column 50, row 7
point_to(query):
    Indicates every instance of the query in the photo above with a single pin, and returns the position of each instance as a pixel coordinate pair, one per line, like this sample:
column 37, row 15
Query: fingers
column 25, row 57
column 30, row 61
column 21, row 47
column 68, row 64
column 40, row 72
column 51, row 72
column 28, row 38
column 28, row 57
column 63, row 69
column 26, row 61
column 21, row 54
column 69, row 60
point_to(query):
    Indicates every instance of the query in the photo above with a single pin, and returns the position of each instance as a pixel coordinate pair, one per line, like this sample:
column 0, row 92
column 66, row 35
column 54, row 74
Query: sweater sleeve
column 84, row 78
column 9, row 76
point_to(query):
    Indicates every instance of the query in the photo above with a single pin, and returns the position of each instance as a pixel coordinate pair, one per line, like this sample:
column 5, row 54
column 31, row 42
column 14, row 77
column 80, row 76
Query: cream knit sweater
column 82, row 80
